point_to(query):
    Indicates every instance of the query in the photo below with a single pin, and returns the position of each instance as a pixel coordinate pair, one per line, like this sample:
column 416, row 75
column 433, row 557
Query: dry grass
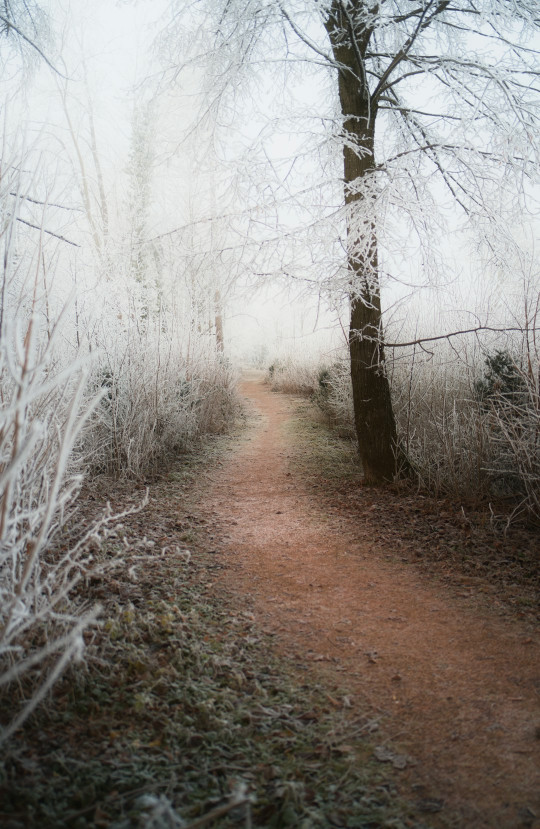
column 463, row 448
column 292, row 376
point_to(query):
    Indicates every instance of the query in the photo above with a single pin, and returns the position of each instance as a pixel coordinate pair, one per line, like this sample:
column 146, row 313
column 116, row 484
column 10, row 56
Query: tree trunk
column 373, row 414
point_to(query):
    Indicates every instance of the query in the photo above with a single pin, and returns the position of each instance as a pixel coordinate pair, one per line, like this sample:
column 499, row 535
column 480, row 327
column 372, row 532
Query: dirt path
column 455, row 691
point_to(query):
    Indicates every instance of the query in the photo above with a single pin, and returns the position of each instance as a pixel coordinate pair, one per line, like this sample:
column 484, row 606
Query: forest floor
column 274, row 631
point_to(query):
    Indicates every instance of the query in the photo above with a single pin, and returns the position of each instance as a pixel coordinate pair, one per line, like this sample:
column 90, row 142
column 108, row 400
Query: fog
column 110, row 71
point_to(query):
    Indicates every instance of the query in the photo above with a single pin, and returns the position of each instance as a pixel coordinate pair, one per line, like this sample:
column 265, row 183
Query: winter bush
column 440, row 426
column 472, row 430
column 73, row 402
column 334, row 394
column 62, row 415
column 42, row 414
column 509, row 393
column 293, row 376
column 156, row 402
column 469, row 424
column 43, row 407
column 503, row 380
column 327, row 384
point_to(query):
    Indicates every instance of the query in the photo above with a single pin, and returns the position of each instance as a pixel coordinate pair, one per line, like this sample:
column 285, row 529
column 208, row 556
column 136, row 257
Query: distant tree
column 436, row 98
column 139, row 170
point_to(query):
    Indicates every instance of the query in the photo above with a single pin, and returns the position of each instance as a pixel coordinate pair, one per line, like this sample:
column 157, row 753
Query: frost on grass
column 41, row 418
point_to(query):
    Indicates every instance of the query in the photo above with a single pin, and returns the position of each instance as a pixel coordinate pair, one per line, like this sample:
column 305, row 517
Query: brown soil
column 453, row 685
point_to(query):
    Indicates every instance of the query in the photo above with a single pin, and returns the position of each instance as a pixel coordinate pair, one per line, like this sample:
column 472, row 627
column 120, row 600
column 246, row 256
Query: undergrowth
column 468, row 423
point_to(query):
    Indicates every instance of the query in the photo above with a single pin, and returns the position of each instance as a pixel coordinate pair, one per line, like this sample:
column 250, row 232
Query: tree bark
column 374, row 417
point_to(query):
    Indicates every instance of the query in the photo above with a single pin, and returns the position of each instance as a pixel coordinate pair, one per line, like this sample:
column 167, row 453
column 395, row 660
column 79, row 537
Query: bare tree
column 437, row 101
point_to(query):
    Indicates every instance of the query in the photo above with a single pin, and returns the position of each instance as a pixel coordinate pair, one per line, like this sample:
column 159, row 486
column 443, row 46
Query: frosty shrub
column 441, row 428
column 468, row 423
column 293, row 376
column 327, row 383
column 509, row 393
column 334, row 394
column 471, row 428
column 156, row 402
column 215, row 396
column 40, row 420
column 62, row 413
column 437, row 419
column 503, row 380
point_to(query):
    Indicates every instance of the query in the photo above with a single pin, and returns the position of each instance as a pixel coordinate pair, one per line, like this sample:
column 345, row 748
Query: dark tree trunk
column 373, row 413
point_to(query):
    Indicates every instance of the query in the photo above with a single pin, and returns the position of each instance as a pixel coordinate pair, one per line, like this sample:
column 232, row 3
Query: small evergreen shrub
column 503, row 380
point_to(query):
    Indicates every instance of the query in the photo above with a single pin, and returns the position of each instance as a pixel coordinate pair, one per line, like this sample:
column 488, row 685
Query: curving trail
column 456, row 690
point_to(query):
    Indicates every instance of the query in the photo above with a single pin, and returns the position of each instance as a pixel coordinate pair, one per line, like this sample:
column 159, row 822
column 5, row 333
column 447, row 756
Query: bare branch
column 424, row 21
column 46, row 203
column 21, row 34
column 305, row 39
column 420, row 340
column 49, row 232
